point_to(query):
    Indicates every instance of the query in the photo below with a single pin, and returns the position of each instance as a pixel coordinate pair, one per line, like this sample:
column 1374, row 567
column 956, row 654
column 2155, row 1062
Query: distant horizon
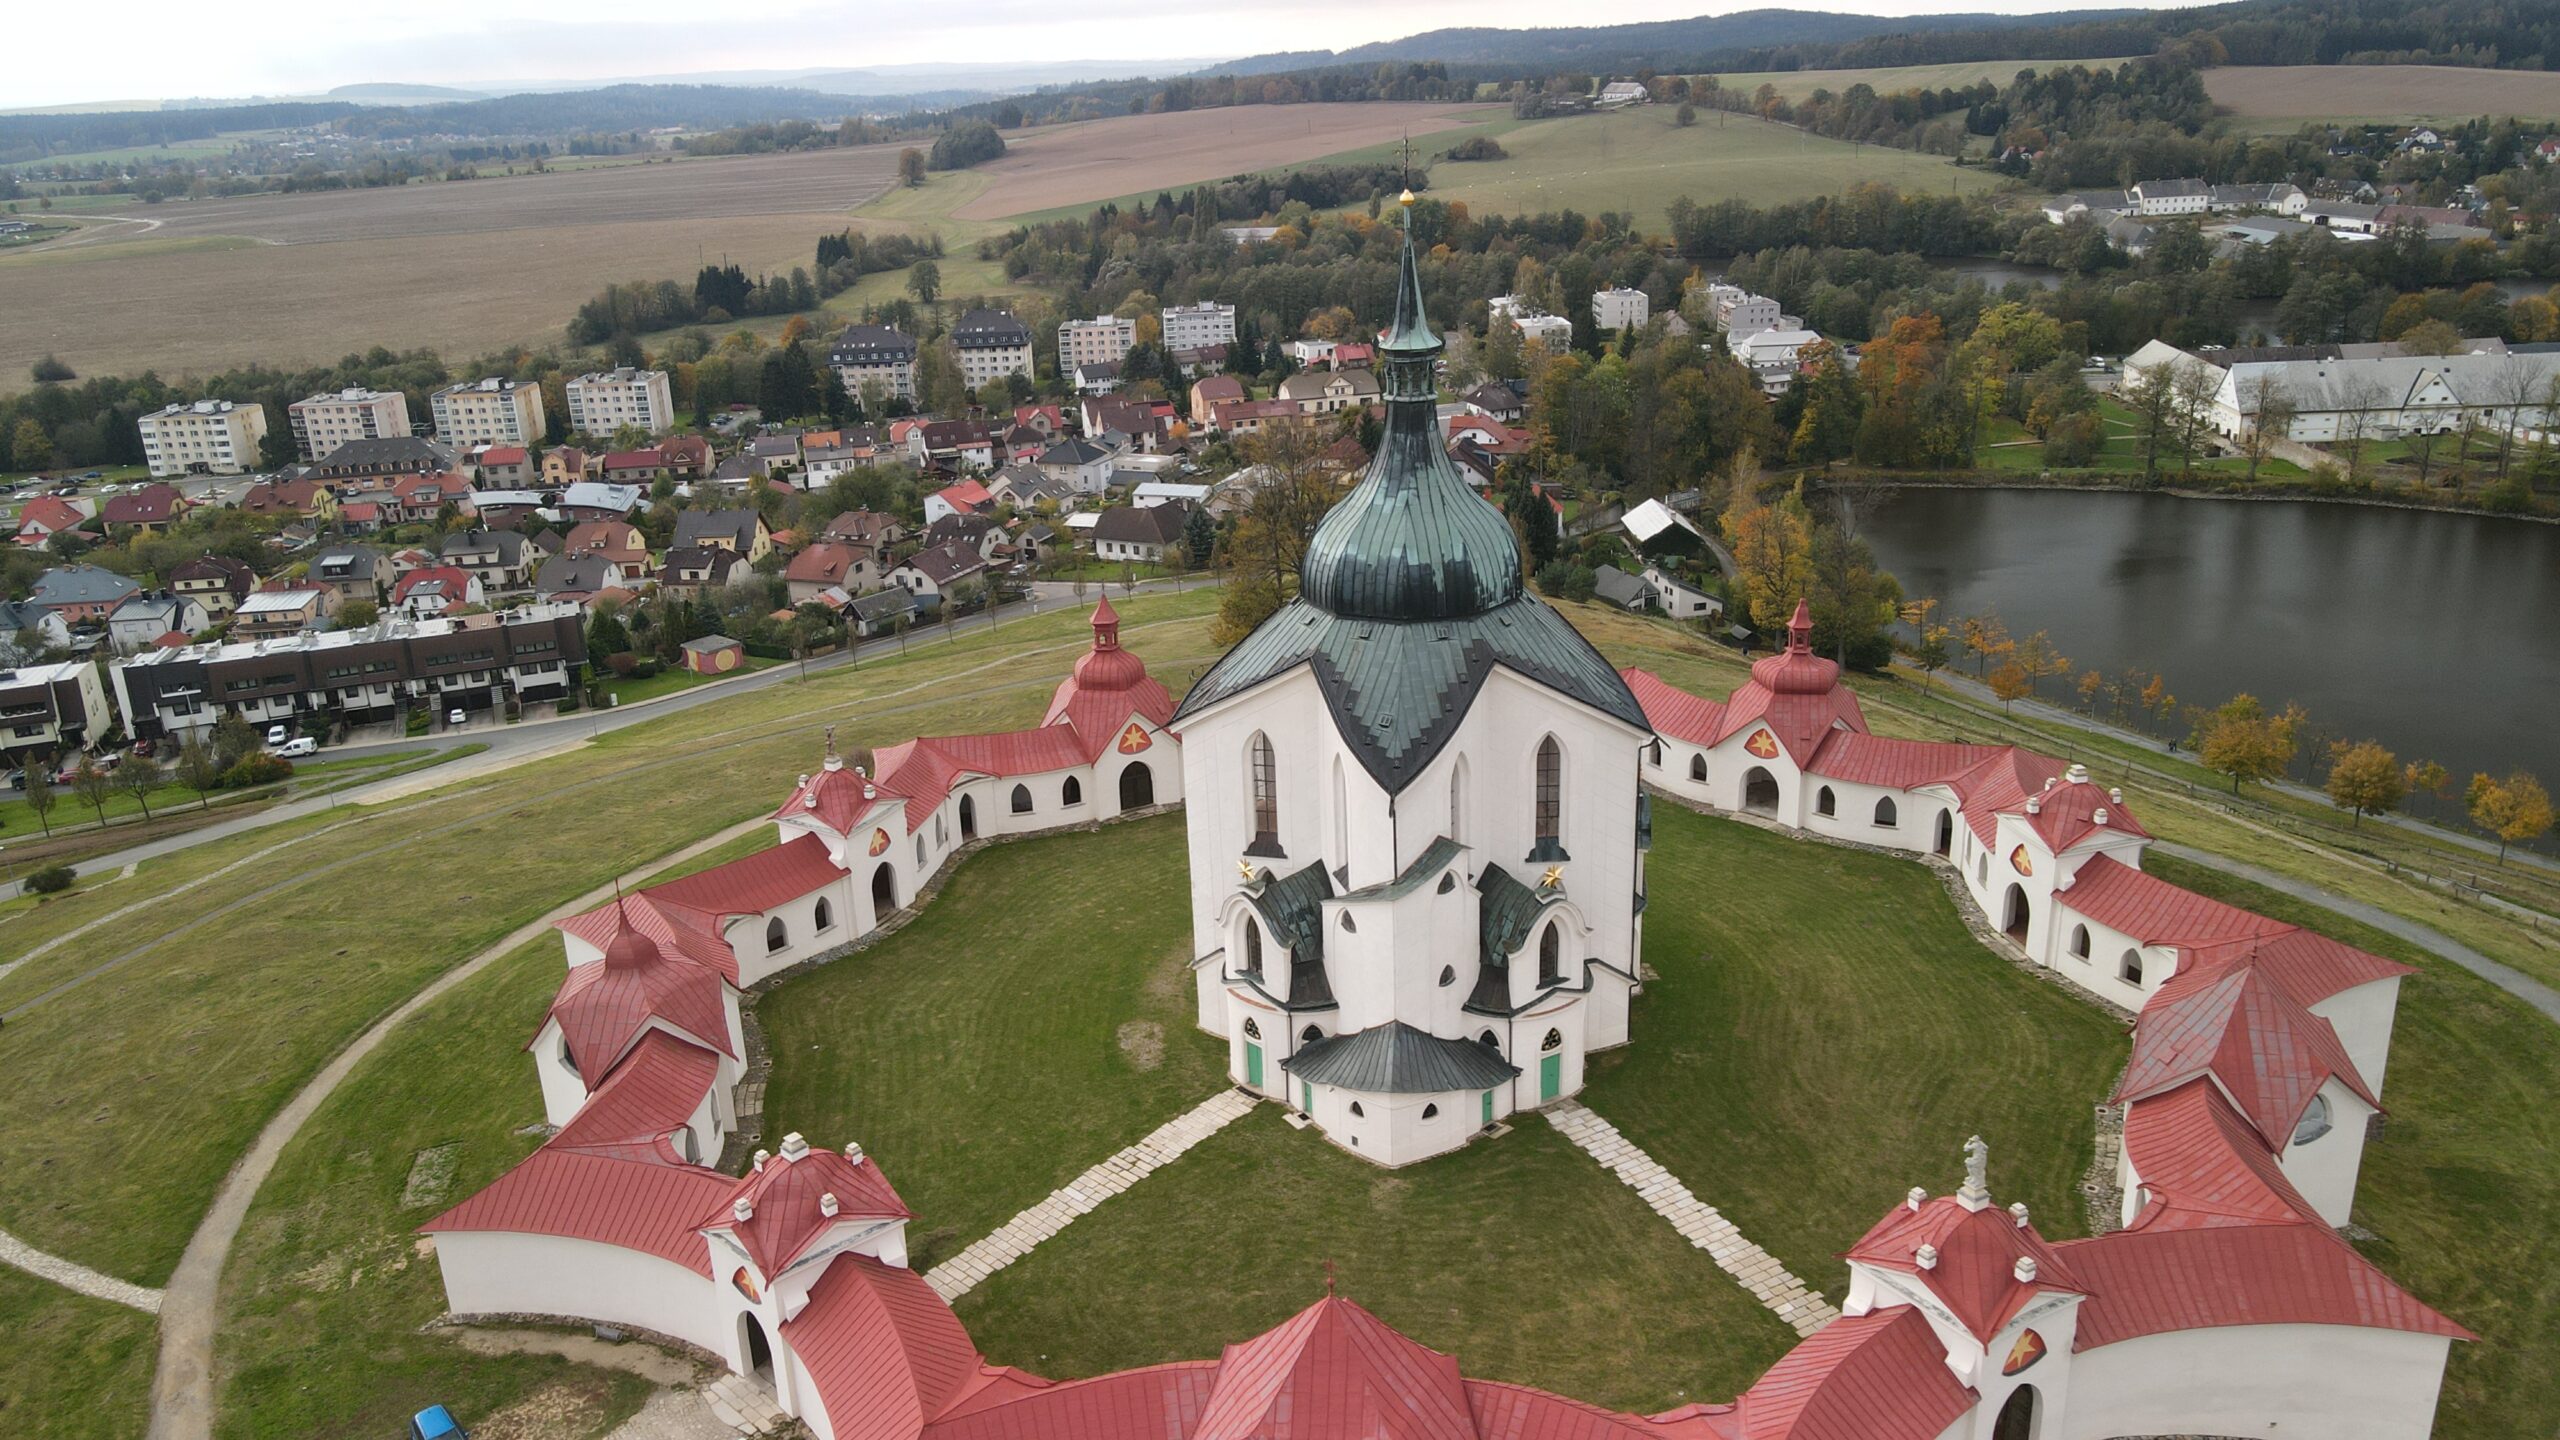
column 172, row 55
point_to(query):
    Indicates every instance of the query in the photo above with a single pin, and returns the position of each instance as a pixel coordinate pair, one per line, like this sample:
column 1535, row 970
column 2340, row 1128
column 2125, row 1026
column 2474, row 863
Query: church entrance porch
column 968, row 817
column 2019, row 1417
column 884, row 893
column 1760, row 791
column 758, row 1350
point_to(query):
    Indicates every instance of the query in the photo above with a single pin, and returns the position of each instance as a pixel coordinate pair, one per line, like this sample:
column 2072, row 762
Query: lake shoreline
column 2103, row 484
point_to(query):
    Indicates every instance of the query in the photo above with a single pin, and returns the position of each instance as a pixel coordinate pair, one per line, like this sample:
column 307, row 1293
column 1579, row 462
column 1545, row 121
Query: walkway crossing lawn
column 153, row 1077
column 2006, row 445
column 76, row 1368
column 1037, row 1016
column 1823, row 1033
column 328, row 1285
column 2460, row 1185
column 1516, row 1254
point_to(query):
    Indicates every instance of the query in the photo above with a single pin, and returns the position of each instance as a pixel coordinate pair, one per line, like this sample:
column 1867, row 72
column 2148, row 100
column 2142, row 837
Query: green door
column 1550, row 1078
column 1488, row 1107
column 1253, row 1064
column 1307, row 1097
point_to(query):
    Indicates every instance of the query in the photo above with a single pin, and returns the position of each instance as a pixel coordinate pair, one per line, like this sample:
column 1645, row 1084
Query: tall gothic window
column 1551, row 956
column 1252, row 947
column 1266, row 798
column 1550, row 801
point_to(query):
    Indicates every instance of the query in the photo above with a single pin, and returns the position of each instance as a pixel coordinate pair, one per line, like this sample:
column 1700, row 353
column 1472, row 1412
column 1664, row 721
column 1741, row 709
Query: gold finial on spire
column 1405, row 199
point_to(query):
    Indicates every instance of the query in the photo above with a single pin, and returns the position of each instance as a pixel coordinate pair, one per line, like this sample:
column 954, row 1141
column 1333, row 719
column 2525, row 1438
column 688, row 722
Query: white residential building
column 1620, row 309
column 1739, row 312
column 875, row 356
column 323, row 422
column 209, row 437
column 607, row 400
column 1102, row 340
column 494, row 411
column 1553, row 331
column 992, row 344
column 1196, row 327
column 2171, row 197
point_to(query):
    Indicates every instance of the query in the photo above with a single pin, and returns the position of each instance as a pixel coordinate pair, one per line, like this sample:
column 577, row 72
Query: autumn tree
column 2010, row 684
column 2243, row 741
column 1772, row 545
column 2272, row 409
column 911, row 166
column 1986, row 639
column 1827, row 428
column 2039, row 658
column 924, row 281
column 199, row 768
column 1271, row 536
column 138, row 776
column 2514, row 808
column 95, row 786
column 1930, row 652
column 2365, row 779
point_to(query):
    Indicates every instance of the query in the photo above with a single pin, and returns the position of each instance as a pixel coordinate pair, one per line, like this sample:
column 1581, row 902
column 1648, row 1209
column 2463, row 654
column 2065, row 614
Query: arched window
column 1430, row 1112
column 1698, row 768
column 1823, row 803
column 919, row 852
column 1448, row 976
column 1490, row 1041
column 775, row 936
column 1551, row 955
column 1021, row 799
column 825, row 915
column 1266, row 796
column 2316, row 1121
column 1982, row 869
column 1356, row 1111
column 1448, row 882
column 2080, row 942
column 1653, row 754
column 1311, row 1035
column 1887, row 816
column 1550, row 801
column 1072, row 792
column 1554, row 1041
column 1458, row 801
column 1252, row 1028
column 2129, row 969
column 1349, row 925
column 1252, row 946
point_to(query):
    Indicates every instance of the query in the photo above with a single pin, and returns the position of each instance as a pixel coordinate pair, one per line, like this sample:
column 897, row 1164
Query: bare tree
column 2358, row 400
column 2514, row 387
column 2192, row 395
column 2270, row 419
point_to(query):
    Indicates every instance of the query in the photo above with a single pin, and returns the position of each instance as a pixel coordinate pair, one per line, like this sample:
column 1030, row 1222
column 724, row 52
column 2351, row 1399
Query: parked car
column 297, row 747
column 436, row 1423
column 455, row 717
column 94, row 475
column 276, row 734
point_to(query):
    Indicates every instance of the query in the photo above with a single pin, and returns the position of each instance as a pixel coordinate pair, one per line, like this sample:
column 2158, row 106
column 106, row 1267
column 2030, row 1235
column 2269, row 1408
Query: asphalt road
column 511, row 744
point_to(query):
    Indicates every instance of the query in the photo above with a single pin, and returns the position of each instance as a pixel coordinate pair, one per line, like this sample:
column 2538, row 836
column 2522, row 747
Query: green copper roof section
column 1506, row 910
column 1436, row 857
column 1397, row 1059
column 1293, row 906
column 1410, row 334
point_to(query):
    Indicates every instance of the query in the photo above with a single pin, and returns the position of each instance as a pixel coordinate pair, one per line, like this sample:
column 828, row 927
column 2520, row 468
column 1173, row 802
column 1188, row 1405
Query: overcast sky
column 75, row 53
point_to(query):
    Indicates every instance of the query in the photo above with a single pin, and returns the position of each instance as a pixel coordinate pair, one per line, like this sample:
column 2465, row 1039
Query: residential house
column 81, row 594
column 270, row 614
column 1146, row 423
column 1095, row 377
column 50, row 710
column 1049, row 420
column 274, row 499
column 619, row 541
column 209, row 437
column 1240, row 418
column 1655, row 528
column 507, row 509
column 417, row 499
column 1553, row 331
column 216, row 582
column 505, row 467
column 742, row 532
column 28, row 630
column 775, row 453
column 148, row 615
column 502, row 560
column 1739, row 312
column 1618, row 94
column 982, row 533
column 1209, row 391
column 692, row 569
column 366, row 468
column 1503, row 400
column 1310, row 352
column 876, row 358
column 1140, row 534
column 491, row 411
column 1679, row 599
column 1198, row 361
column 1620, row 309
column 143, row 510
column 991, row 344
column 952, row 445
column 854, row 450
column 435, row 589
column 324, row 421
column 1024, row 487
column 563, row 466
column 931, row 574
column 1328, row 393
column 592, row 500
column 1079, row 464
column 46, row 516
column 576, row 579
column 1159, row 492
column 966, row 497
column 884, row 612
column 352, row 572
column 1772, row 355
column 824, row 565
column 869, row 527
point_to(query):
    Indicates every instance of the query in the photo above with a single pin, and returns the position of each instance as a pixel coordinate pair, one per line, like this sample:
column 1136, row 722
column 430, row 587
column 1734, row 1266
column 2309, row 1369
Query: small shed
column 714, row 655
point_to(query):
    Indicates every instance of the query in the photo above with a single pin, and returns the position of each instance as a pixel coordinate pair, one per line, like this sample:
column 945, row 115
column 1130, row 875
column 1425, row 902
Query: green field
column 1893, row 79
column 1639, row 160
column 2007, row 446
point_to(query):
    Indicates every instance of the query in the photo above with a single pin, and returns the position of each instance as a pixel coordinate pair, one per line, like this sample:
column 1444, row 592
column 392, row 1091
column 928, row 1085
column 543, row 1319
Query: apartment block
column 1197, row 327
column 875, row 355
column 323, row 422
column 209, row 437
column 992, row 344
column 1102, row 340
column 1620, row 309
column 495, row 411
column 604, row 402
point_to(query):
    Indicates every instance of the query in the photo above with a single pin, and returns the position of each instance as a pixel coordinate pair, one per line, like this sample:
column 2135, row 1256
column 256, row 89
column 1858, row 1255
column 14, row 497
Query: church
column 1416, row 816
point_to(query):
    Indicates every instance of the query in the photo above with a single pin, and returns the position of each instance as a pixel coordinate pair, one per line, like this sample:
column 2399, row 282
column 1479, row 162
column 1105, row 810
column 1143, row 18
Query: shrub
column 2510, row 496
column 256, row 768
column 51, row 880
column 624, row 663
column 2073, row 440
column 645, row 667
column 1482, row 147
column 1567, row 581
column 965, row 145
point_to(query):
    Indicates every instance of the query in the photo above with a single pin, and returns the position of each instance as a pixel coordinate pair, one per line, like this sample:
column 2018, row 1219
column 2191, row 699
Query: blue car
column 436, row 1423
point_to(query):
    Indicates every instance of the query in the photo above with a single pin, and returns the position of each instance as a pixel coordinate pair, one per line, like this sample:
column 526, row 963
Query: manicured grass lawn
column 2006, row 445
column 1520, row 1255
column 78, row 1369
column 674, row 678
column 1637, row 161
column 2460, row 1185
column 148, row 1081
column 1037, row 1016
column 327, row 1288
column 1825, row 1033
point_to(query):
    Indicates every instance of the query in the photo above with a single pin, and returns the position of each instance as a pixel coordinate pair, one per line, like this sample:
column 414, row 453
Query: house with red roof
column 436, row 589
column 145, row 509
column 966, row 497
column 46, row 516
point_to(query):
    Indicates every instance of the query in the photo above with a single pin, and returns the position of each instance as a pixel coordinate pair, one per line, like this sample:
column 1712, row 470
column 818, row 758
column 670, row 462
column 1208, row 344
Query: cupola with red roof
column 1796, row 670
column 606, row 1005
column 1106, row 666
column 794, row 1200
column 1981, row 1265
column 1334, row 1369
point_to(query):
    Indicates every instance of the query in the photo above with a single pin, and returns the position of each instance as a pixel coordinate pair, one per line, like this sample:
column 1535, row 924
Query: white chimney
column 853, row 1152
column 2098, row 816
column 2025, row 1270
column 827, row 1205
column 761, row 1157
column 2078, row 774
column 2035, row 805
column 2018, row 1212
column 793, row 1147
column 2116, row 796
column 1912, row 1200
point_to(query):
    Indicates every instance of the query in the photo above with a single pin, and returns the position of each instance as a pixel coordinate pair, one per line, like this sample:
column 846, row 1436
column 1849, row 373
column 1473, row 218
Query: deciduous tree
column 94, row 786
column 2010, row 684
column 2514, row 808
column 2243, row 741
column 2365, row 779
column 199, row 769
column 138, row 776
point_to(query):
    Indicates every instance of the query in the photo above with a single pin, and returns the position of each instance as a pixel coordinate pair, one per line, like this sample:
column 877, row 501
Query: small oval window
column 1448, row 975
column 2316, row 1121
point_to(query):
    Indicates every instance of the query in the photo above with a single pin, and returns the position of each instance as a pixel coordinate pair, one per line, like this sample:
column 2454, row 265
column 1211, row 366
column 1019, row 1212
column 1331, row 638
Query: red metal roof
column 1334, row 1371
column 2000, row 783
column 1878, row 1376
column 1519, row 1412
column 885, row 1352
column 1159, row 1401
column 2151, row 1281
column 783, row 1195
column 1978, row 1251
column 455, row 583
column 2154, row 911
column 639, row 1205
column 1673, row 711
column 647, row 1098
column 923, row 770
column 2204, row 1166
column 1895, row 764
column 604, row 1006
column 2234, row 1023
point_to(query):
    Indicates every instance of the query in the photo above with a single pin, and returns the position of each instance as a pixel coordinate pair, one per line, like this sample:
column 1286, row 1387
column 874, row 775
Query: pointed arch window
column 1548, row 777
column 1264, row 793
column 1021, row 799
column 1252, row 946
column 1551, row 955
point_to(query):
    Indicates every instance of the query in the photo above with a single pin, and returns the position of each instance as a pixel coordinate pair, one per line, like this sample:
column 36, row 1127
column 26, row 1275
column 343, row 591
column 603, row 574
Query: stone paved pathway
column 14, row 1251
column 745, row 1406
column 1787, row 1297
column 1017, row 1237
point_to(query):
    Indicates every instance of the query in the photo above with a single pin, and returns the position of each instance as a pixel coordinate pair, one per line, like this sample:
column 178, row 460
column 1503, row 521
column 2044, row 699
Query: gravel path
column 14, row 1251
